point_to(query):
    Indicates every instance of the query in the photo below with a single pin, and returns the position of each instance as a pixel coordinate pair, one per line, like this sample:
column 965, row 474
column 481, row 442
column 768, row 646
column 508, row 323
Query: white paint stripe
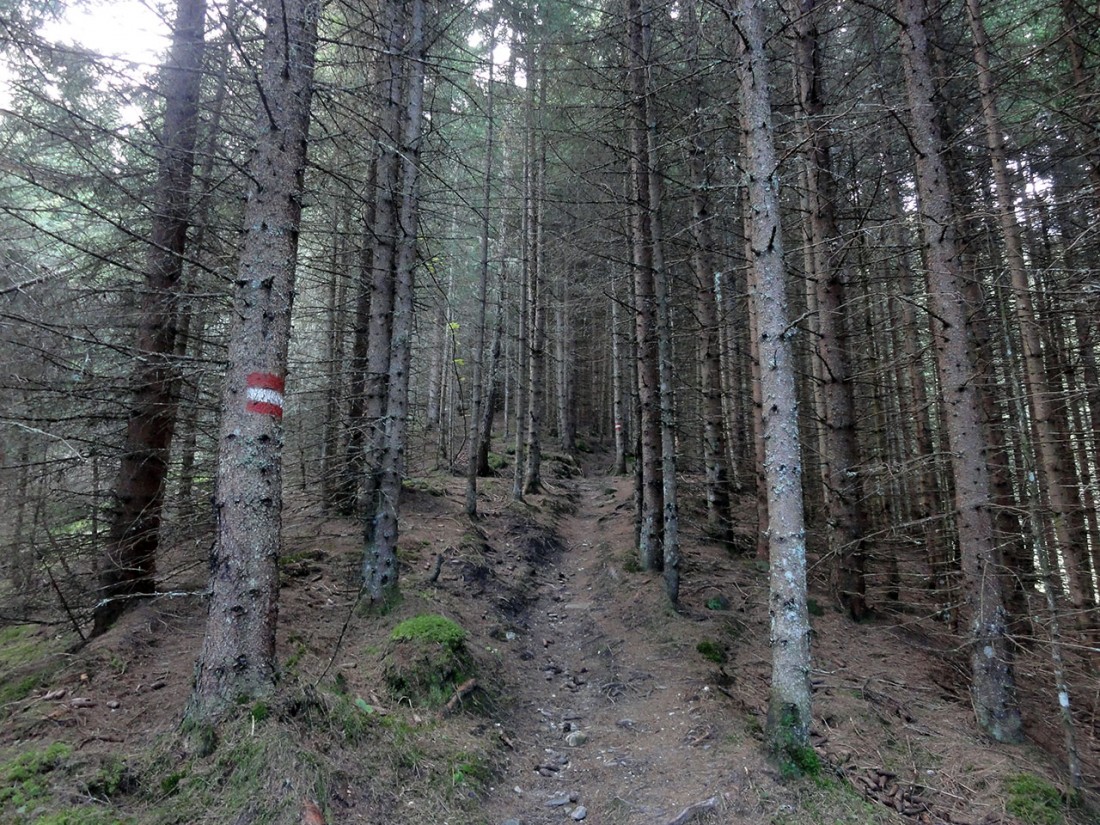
column 264, row 396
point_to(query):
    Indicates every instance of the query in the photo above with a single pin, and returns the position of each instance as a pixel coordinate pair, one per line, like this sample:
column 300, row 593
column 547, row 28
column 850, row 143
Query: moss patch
column 23, row 779
column 427, row 660
column 788, row 744
column 1034, row 801
column 26, row 662
column 712, row 651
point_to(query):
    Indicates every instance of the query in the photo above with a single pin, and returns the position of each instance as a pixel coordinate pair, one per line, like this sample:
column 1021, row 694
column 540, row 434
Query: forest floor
column 593, row 700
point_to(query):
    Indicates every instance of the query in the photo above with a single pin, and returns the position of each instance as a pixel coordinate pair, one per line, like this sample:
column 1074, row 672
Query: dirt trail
column 616, row 718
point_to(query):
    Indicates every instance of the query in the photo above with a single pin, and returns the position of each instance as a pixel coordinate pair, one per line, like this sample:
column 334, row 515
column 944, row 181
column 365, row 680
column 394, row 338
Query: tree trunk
column 993, row 684
column 536, row 299
column 566, row 363
column 715, row 467
column 473, row 464
column 789, row 716
column 238, row 650
column 828, row 270
column 618, row 405
column 380, row 556
column 492, row 381
column 129, row 564
column 1052, row 472
column 334, row 365
column 385, row 230
column 645, row 296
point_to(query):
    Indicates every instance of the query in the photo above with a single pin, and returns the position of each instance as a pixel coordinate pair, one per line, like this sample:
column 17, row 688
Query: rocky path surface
column 616, row 717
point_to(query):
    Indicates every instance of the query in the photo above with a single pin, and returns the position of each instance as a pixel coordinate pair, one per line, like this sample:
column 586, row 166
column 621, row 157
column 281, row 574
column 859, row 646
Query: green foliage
column 427, row 659
column 432, row 487
column 430, row 628
column 470, row 770
column 20, row 645
column 1034, row 801
column 353, row 718
column 88, row 815
column 814, row 608
column 718, row 603
column 26, row 663
column 113, row 778
column 24, row 778
column 786, row 735
column 20, row 688
column 300, row 650
column 799, row 761
column 712, row 651
column 201, row 737
column 260, row 712
column 170, row 784
column 497, row 462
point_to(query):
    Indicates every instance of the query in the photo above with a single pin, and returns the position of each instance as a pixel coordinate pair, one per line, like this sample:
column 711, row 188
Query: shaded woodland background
column 528, row 310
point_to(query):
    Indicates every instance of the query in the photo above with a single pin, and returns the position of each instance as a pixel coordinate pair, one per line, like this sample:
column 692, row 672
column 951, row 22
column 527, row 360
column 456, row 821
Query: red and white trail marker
column 264, row 394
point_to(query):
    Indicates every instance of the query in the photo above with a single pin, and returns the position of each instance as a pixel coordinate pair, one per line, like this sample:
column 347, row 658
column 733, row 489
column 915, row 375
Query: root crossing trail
column 616, row 717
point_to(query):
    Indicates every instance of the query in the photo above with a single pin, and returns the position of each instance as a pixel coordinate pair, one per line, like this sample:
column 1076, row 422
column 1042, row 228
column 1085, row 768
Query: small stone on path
column 579, row 813
column 576, row 738
column 560, row 800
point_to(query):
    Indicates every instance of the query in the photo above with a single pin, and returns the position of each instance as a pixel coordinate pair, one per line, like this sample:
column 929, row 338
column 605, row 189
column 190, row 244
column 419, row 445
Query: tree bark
column 536, row 298
column 477, row 379
column 380, row 572
column 993, row 683
column 238, row 650
column 1052, row 472
column 789, row 716
column 715, row 467
column 129, row 564
column 828, row 270
column 618, row 405
column 645, row 296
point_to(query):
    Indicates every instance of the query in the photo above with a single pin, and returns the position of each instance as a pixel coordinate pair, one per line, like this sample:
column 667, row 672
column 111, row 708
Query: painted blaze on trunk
column 237, row 661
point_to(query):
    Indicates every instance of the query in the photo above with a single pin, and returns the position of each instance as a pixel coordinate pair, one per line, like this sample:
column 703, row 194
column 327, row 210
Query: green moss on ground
column 1034, row 801
column 427, row 660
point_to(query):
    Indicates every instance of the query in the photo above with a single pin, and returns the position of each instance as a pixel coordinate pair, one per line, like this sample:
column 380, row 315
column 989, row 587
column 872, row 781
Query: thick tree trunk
column 789, row 716
column 129, row 564
column 380, row 555
column 238, row 650
column 993, row 684
column 385, row 230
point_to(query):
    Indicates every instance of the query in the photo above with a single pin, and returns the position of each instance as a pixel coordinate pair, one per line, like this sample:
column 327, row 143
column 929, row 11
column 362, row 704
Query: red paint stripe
column 265, row 381
column 264, row 408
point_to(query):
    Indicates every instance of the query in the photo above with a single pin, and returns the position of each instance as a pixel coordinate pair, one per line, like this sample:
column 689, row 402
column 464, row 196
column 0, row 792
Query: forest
column 358, row 357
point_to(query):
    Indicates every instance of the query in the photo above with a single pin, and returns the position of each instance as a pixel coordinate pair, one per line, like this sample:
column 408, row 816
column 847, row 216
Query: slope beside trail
column 616, row 717
column 602, row 703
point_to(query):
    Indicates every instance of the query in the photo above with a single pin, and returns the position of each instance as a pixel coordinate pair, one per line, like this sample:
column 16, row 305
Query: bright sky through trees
column 132, row 30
